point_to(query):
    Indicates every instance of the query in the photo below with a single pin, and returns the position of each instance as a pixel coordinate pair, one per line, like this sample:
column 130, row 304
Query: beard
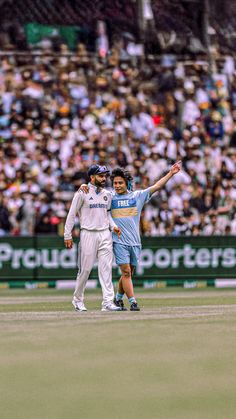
column 99, row 183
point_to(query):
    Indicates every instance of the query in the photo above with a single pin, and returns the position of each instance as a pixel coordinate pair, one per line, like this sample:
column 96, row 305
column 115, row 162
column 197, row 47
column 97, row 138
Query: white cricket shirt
column 93, row 210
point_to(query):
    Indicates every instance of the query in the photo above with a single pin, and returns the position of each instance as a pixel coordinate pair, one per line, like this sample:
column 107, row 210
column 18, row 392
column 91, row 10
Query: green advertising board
column 35, row 32
column 45, row 258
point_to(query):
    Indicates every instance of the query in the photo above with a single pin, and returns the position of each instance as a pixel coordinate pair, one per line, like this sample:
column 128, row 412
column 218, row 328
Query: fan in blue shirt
column 126, row 210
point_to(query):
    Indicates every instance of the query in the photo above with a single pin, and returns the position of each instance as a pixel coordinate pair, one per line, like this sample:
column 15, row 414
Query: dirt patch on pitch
column 95, row 316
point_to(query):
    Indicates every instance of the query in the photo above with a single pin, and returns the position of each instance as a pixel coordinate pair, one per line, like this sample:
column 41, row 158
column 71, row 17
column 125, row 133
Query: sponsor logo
column 91, row 198
column 98, row 206
column 34, row 258
column 186, row 257
column 105, row 198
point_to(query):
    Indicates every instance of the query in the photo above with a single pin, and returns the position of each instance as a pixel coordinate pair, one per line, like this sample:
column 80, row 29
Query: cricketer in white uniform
column 96, row 225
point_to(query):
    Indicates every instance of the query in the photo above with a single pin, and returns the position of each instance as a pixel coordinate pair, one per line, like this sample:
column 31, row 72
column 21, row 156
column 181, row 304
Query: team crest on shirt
column 105, row 198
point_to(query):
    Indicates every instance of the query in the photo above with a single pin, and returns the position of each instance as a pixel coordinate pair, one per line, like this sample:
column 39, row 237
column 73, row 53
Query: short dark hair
column 124, row 174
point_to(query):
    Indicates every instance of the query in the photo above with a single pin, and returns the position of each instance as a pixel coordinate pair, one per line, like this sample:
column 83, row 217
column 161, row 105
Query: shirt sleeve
column 112, row 224
column 142, row 196
column 109, row 196
column 70, row 220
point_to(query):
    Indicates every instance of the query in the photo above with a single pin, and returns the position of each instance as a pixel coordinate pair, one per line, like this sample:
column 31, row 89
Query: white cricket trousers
column 95, row 245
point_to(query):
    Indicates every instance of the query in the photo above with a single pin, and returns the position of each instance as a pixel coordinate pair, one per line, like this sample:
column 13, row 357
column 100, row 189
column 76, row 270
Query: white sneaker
column 111, row 307
column 78, row 305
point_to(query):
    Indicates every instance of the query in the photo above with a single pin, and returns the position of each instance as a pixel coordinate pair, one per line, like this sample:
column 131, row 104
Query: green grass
column 156, row 364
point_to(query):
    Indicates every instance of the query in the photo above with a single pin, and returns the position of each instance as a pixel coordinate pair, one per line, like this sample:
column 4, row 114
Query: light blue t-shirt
column 126, row 210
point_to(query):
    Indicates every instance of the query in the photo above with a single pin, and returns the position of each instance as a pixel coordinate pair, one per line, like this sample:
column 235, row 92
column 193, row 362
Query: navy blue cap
column 96, row 169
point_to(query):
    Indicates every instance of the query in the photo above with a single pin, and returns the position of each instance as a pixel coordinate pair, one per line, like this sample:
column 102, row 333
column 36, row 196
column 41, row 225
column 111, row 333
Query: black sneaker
column 134, row 307
column 119, row 303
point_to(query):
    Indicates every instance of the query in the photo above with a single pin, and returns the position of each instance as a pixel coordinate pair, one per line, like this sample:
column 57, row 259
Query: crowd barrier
column 163, row 259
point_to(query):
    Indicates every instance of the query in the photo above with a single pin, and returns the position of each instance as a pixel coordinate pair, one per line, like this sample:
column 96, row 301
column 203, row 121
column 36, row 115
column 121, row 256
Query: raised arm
column 160, row 183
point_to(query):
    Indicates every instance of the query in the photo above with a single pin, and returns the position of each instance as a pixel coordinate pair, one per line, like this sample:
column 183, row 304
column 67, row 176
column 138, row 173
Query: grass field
column 176, row 359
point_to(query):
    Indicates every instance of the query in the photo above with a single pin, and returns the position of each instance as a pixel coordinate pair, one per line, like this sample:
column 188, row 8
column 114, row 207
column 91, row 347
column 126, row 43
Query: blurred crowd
column 61, row 113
